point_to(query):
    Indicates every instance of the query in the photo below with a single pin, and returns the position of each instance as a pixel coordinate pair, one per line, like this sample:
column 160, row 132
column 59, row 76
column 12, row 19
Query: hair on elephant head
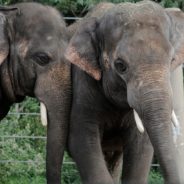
column 130, row 51
column 33, row 38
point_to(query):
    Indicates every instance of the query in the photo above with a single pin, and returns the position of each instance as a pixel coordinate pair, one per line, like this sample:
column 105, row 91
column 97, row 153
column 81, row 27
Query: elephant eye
column 120, row 66
column 41, row 58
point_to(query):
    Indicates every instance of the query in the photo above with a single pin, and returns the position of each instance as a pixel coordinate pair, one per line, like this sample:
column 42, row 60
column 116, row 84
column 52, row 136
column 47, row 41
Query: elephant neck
column 7, row 84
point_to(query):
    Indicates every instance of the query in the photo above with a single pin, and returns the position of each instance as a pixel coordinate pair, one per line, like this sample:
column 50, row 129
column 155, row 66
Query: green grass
column 155, row 178
column 68, row 178
column 26, row 180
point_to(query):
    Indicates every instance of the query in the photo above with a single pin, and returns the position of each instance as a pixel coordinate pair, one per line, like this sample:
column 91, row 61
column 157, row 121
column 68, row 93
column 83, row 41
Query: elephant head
column 33, row 39
column 130, row 51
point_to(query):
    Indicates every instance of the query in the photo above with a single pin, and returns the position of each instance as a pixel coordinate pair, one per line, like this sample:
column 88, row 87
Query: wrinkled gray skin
column 123, row 62
column 32, row 44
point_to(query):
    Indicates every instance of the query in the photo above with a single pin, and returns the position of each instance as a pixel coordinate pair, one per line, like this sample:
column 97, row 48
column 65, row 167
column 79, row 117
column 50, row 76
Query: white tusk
column 43, row 112
column 174, row 120
column 138, row 122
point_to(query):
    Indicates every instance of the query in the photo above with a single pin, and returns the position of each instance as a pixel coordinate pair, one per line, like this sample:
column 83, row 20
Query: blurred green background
column 22, row 159
column 80, row 7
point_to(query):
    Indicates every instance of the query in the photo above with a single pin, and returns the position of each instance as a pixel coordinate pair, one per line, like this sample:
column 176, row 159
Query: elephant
column 33, row 38
column 121, row 65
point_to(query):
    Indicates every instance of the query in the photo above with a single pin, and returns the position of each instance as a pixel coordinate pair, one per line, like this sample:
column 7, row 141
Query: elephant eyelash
column 173, row 59
column 121, row 66
column 41, row 58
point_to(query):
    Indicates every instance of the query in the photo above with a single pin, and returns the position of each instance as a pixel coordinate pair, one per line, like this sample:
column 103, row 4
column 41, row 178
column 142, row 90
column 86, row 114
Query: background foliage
column 80, row 7
column 33, row 150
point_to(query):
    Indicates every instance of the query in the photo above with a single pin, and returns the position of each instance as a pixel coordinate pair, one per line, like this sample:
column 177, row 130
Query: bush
column 80, row 7
column 31, row 151
column 22, row 149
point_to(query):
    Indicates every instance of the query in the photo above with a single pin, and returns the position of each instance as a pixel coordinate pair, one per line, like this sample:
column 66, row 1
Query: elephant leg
column 117, row 170
column 137, row 159
column 85, row 148
column 114, row 162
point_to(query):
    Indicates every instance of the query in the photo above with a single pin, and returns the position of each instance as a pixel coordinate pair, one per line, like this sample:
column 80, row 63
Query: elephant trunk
column 57, row 129
column 53, row 89
column 153, row 104
column 157, row 121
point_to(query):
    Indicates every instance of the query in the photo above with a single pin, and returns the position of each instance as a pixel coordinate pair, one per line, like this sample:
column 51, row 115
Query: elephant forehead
column 38, row 20
column 144, row 7
column 142, row 21
column 144, row 11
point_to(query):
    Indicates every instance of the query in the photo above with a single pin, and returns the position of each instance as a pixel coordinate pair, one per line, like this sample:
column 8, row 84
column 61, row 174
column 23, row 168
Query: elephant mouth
column 140, row 125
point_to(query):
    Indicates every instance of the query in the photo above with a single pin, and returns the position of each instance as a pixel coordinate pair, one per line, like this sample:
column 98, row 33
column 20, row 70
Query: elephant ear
column 82, row 50
column 4, row 40
column 176, row 17
column 4, row 45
